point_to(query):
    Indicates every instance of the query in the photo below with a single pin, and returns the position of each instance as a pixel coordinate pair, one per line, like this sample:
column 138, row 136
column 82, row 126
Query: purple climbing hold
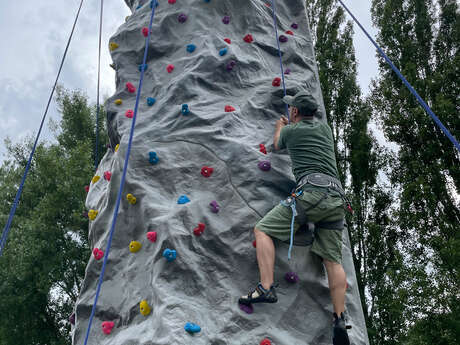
column 248, row 309
column 294, row 26
column 291, row 277
column 226, row 19
column 182, row 18
column 287, row 71
column 72, row 319
column 283, row 38
column 231, row 64
column 264, row 165
column 214, row 206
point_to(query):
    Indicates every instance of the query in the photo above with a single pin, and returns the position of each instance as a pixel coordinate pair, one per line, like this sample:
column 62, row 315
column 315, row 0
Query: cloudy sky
column 34, row 34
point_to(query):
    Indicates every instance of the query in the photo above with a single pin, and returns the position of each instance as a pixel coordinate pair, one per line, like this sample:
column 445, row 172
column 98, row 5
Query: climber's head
column 302, row 105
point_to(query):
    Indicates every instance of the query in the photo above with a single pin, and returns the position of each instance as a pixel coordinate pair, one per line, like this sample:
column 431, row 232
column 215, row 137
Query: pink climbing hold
column 289, row 32
column 98, row 254
column 130, row 87
column 262, row 149
column 265, row 342
column 145, row 32
column 87, row 189
column 198, row 231
column 170, row 68
column 171, row 2
column 152, row 236
column 276, row 82
column 229, row 109
column 107, row 175
column 207, row 171
column 248, row 38
column 129, row 114
column 107, row 327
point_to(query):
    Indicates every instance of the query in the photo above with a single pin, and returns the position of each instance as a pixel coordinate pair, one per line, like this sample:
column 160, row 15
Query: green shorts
column 327, row 243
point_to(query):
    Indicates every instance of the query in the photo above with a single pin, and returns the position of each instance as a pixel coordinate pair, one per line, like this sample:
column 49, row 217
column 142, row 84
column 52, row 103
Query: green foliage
column 45, row 257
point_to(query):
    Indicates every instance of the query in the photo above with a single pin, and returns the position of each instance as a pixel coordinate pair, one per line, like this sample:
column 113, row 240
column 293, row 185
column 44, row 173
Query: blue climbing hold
column 153, row 158
column 191, row 48
column 183, row 199
column 223, row 51
column 185, row 109
column 207, row 0
column 169, row 254
column 192, row 328
column 151, row 101
column 151, row 3
column 138, row 7
column 145, row 67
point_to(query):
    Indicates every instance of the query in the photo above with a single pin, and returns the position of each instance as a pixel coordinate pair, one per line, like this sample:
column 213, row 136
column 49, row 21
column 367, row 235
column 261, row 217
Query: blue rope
column 7, row 228
column 122, row 183
column 279, row 53
column 408, row 85
column 96, row 154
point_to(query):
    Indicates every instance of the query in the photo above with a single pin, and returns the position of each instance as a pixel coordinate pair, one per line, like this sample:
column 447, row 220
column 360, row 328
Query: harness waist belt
column 320, row 180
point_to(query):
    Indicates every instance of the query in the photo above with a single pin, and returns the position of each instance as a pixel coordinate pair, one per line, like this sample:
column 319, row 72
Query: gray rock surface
column 203, row 284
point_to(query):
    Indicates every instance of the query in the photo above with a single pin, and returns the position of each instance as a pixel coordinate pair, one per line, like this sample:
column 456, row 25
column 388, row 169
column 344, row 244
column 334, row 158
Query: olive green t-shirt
column 310, row 146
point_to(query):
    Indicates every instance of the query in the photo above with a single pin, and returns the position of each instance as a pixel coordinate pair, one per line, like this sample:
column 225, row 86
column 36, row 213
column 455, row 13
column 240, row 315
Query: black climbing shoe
column 340, row 336
column 259, row 295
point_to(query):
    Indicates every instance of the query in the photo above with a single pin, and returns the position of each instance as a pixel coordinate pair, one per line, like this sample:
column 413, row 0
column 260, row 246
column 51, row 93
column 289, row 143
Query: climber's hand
column 283, row 121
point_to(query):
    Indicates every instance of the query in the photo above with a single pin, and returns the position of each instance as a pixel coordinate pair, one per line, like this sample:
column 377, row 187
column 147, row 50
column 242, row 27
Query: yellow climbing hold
column 95, row 179
column 131, row 199
column 134, row 246
column 117, row 147
column 145, row 308
column 118, row 101
column 92, row 214
column 113, row 46
column 127, row 17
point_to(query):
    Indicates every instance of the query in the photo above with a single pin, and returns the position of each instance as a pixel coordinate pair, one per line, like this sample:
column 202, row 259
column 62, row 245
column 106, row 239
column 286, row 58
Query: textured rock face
column 211, row 270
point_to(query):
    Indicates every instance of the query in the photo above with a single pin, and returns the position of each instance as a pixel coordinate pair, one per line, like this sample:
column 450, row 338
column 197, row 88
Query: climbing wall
column 201, row 174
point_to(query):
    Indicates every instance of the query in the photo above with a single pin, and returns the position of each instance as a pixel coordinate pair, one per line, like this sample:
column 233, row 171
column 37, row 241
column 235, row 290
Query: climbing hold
column 289, row 32
column 283, row 39
column 131, row 199
column 248, row 309
column 92, row 214
column 185, row 109
column 182, row 18
column 276, row 82
column 248, row 38
column 291, row 277
column 287, row 71
column 113, row 46
column 117, row 147
column 265, row 342
column 107, row 175
column 138, row 7
column 129, row 114
column 145, row 31
column 198, row 231
column 72, row 319
column 347, row 286
column 214, row 206
column 192, row 328
column 153, row 158
column 98, row 254
column 223, row 51
column 262, row 148
column 207, row 0
column 107, row 326
column 95, row 179
column 156, row 3
column 135, row 246
column 87, row 189
column 118, row 101
column 294, row 26
column 130, row 87
column 229, row 109
column 171, row 1
column 183, row 199
column 264, row 165
column 169, row 254
column 144, row 307
column 254, row 244
column 207, row 171
column 230, row 65
column 226, row 19
column 114, row 67
column 151, row 101
column 170, row 68
column 126, row 18
column 191, row 48
column 152, row 236
column 228, row 40
column 145, row 67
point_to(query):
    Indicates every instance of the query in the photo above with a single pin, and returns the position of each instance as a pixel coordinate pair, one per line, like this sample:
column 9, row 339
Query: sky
column 34, row 35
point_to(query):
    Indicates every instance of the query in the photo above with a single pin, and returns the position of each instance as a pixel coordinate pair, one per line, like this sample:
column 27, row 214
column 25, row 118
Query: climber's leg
column 265, row 257
column 337, row 285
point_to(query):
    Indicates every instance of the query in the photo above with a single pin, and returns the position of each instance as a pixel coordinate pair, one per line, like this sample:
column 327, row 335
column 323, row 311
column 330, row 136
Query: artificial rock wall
column 232, row 109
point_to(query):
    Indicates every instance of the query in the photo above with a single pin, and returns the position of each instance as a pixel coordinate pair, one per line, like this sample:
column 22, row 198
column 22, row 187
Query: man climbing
column 318, row 202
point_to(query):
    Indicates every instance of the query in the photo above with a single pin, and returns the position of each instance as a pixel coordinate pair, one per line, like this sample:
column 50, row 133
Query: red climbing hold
column 254, row 244
column 289, row 32
column 268, row 5
column 98, row 254
column 130, row 87
column 107, row 326
column 145, row 32
column 248, row 38
column 276, row 81
column 129, row 114
column 108, row 175
column 262, row 148
column 171, row 1
column 199, row 229
column 229, row 109
column 170, row 68
column 206, row 171
column 152, row 236
column 228, row 40
column 87, row 189
column 265, row 342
